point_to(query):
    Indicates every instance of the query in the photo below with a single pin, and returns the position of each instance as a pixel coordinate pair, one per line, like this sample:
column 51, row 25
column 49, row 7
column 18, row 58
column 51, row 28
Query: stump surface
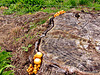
column 73, row 45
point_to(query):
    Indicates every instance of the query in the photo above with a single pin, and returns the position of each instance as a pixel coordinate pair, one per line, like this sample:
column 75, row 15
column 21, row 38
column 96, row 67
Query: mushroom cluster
column 37, row 62
column 59, row 13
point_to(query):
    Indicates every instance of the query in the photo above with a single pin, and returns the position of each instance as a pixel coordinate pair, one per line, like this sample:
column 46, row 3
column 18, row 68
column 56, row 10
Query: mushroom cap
column 57, row 14
column 39, row 55
column 62, row 11
column 37, row 61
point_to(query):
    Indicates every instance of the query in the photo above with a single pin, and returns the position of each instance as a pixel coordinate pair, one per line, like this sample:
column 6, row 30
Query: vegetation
column 26, row 48
column 4, row 63
column 30, row 6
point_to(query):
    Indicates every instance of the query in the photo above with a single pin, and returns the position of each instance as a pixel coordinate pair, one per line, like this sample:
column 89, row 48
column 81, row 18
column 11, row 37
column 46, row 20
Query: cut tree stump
column 72, row 46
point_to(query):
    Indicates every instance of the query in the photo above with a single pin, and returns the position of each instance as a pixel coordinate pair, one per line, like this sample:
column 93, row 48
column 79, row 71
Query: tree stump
column 72, row 46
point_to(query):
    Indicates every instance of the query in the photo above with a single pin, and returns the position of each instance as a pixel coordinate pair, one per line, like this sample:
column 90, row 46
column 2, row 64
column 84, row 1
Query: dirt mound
column 20, row 31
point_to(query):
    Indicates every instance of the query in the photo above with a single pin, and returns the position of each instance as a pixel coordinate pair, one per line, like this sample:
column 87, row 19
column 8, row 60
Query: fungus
column 37, row 61
column 59, row 13
column 30, row 69
column 38, row 55
column 56, row 15
column 35, row 71
column 62, row 11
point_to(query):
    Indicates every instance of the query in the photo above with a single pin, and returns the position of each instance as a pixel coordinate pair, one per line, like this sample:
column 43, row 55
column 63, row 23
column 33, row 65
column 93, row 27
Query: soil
column 16, row 32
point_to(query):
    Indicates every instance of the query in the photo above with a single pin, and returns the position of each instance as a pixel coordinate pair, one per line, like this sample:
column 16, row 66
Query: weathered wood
column 72, row 46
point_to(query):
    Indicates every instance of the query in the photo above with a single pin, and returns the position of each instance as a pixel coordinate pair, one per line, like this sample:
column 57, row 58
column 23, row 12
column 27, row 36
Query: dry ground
column 20, row 31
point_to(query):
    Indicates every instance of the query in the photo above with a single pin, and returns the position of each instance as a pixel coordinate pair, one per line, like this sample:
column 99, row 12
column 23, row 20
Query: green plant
column 59, row 0
column 26, row 48
column 37, row 33
column 33, row 25
column 25, row 23
column 21, row 6
column 0, row 47
column 17, row 39
column 96, row 6
column 30, row 6
column 4, row 63
column 42, row 21
column 31, row 37
column 83, row 2
column 26, row 35
column 73, row 3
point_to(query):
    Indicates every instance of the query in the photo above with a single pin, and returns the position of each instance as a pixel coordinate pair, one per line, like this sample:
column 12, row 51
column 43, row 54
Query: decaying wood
column 72, row 46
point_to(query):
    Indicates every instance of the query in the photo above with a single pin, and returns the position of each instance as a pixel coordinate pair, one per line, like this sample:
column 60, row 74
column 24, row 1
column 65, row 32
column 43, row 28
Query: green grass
column 32, row 25
column 30, row 6
column 84, row 2
column 41, row 21
column 26, row 48
column 49, row 10
column 32, row 37
column 26, row 35
column 4, row 63
column 73, row 3
column 96, row 6
column 17, row 39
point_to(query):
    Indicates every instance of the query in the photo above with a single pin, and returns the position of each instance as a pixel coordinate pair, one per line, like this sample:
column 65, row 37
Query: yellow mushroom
column 38, row 66
column 62, row 11
column 35, row 71
column 27, row 70
column 59, row 13
column 38, row 55
column 30, row 69
column 35, row 68
column 37, row 61
column 56, row 15
column 31, row 73
column 30, row 66
column 34, row 65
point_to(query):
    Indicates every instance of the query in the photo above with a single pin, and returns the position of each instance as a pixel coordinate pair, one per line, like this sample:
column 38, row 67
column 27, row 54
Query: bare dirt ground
column 20, row 31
